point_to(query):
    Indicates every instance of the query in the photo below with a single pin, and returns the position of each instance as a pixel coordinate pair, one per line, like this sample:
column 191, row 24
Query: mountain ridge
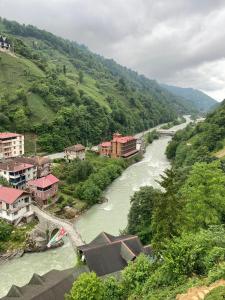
column 201, row 101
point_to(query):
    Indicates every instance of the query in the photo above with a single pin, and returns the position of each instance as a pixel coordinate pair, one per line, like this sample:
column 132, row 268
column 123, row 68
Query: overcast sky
column 179, row 42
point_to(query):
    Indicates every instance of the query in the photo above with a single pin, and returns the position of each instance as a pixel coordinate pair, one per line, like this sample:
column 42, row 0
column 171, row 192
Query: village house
column 43, row 189
column 15, row 205
column 16, row 173
column 120, row 146
column 4, row 42
column 108, row 254
column 43, row 164
column 75, row 151
column 11, row 145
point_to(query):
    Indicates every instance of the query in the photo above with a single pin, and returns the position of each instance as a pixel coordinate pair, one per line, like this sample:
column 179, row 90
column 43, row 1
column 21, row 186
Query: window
column 26, row 200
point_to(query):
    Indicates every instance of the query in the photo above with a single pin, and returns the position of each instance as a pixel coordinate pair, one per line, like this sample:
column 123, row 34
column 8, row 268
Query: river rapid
column 110, row 217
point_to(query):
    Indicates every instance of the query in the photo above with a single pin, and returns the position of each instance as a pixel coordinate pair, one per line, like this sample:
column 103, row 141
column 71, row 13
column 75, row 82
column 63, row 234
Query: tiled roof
column 7, row 135
column 10, row 195
column 75, row 148
column 14, row 166
column 124, row 139
column 108, row 254
column 106, row 144
column 44, row 182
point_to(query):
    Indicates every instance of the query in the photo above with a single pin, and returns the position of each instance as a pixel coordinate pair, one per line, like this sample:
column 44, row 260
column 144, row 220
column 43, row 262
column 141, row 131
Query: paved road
column 73, row 235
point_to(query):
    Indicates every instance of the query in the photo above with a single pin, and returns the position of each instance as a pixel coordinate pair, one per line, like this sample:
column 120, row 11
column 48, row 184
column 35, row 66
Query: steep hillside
column 66, row 94
column 203, row 142
column 196, row 98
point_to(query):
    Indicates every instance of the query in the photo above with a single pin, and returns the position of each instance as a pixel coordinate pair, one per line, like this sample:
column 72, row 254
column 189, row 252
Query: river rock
column 70, row 212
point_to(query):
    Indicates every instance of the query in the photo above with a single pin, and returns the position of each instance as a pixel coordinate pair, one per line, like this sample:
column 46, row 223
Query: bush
column 216, row 294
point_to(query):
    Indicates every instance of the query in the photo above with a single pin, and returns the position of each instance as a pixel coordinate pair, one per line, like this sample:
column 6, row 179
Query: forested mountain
column 66, row 94
column 196, row 98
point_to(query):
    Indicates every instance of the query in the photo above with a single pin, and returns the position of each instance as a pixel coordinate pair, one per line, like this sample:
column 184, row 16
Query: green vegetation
column 195, row 98
column 151, row 136
column 65, row 94
column 216, row 294
column 174, row 123
column 184, row 220
column 13, row 238
column 83, row 182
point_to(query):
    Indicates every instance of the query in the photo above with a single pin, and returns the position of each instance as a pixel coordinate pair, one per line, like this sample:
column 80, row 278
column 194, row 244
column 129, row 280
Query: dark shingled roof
column 109, row 254
column 51, row 286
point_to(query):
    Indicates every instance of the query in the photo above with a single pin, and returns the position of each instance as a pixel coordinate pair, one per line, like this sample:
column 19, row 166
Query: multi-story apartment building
column 120, row 146
column 15, row 204
column 17, row 174
column 11, row 145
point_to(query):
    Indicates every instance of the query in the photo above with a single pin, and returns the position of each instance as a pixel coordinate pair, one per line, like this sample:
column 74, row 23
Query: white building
column 17, row 174
column 15, row 204
column 75, row 151
column 11, row 145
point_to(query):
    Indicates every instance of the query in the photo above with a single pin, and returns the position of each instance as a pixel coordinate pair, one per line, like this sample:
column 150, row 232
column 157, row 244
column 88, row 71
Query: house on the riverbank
column 15, row 204
column 108, row 254
column 43, row 189
column 17, row 173
column 74, row 152
column 119, row 146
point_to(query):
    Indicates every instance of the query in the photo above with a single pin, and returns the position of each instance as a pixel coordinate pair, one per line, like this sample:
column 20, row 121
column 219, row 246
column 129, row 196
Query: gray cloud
column 174, row 41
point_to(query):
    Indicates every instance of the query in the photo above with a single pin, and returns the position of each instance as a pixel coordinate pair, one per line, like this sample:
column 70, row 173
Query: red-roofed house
column 11, row 145
column 120, row 146
column 14, row 204
column 43, row 188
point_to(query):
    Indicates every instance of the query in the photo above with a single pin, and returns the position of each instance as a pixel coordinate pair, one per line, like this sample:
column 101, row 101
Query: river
column 110, row 217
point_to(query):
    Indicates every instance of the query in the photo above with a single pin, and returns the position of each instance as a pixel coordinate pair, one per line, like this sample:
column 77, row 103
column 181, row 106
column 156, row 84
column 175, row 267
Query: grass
column 41, row 112
column 16, row 72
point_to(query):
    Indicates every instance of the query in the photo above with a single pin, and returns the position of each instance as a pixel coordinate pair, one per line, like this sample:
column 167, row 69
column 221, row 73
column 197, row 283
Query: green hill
column 65, row 94
column 202, row 102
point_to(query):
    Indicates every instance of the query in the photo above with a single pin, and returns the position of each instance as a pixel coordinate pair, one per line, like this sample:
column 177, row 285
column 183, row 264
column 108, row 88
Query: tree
column 204, row 193
column 81, row 76
column 168, row 211
column 112, row 289
column 140, row 214
column 4, row 181
column 87, row 287
column 5, row 230
column 135, row 274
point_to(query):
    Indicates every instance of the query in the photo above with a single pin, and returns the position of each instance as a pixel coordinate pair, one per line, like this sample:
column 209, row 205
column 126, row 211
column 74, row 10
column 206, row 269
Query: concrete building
column 16, row 173
column 120, row 146
column 75, row 151
column 11, row 145
column 15, row 205
column 43, row 188
column 42, row 163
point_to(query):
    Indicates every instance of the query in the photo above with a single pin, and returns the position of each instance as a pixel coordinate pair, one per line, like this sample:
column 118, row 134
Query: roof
column 14, row 166
column 106, row 144
column 76, row 148
column 10, row 195
column 51, row 286
column 7, row 135
column 36, row 160
column 44, row 182
column 108, row 254
column 124, row 139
